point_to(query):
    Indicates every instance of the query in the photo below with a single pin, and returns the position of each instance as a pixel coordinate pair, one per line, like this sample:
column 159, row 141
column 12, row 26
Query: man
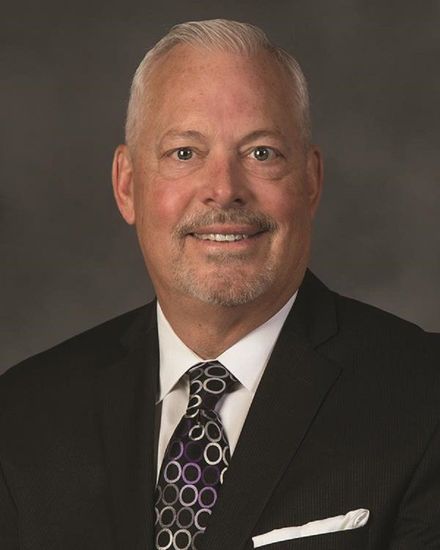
column 250, row 407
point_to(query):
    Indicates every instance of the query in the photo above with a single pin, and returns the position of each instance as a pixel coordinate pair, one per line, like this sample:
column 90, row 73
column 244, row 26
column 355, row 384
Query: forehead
column 185, row 62
column 191, row 81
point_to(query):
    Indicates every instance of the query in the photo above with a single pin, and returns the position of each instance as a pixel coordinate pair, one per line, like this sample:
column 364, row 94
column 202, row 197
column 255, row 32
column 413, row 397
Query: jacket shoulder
column 359, row 316
column 76, row 356
column 374, row 337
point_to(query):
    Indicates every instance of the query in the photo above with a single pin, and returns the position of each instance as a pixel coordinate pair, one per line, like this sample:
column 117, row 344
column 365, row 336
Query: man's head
column 219, row 175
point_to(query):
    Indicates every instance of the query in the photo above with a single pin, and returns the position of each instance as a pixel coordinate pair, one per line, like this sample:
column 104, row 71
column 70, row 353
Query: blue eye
column 263, row 153
column 184, row 153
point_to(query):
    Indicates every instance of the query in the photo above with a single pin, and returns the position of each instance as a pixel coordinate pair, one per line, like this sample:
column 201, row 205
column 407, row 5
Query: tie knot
column 208, row 384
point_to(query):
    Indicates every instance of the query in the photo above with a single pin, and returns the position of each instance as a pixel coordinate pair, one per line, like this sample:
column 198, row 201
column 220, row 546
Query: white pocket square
column 351, row 520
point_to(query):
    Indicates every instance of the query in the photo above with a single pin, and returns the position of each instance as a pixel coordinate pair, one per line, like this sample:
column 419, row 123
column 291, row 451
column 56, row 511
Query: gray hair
column 223, row 35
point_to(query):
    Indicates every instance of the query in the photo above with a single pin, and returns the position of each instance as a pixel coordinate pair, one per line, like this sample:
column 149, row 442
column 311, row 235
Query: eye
column 264, row 153
column 184, row 153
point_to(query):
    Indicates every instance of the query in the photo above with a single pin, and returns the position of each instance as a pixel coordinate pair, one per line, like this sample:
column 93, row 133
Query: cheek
column 161, row 204
column 289, row 208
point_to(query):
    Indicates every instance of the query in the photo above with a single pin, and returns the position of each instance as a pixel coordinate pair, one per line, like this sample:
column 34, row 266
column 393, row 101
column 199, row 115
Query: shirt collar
column 246, row 359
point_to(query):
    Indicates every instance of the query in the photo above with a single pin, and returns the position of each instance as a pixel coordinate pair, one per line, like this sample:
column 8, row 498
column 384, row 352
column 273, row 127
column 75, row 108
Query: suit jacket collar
column 314, row 313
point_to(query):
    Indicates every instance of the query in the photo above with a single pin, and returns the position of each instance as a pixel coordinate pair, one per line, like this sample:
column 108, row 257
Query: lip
column 241, row 245
column 249, row 231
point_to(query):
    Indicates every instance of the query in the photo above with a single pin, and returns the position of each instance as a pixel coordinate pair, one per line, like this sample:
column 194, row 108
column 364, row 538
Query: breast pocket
column 351, row 539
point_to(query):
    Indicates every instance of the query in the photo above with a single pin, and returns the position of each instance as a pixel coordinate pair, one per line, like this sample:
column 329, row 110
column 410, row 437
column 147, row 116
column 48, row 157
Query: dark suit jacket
column 346, row 417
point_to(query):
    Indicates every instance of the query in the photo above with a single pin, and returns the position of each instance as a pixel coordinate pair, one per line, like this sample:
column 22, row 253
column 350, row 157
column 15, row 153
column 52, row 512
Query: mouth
column 220, row 237
column 233, row 228
column 226, row 234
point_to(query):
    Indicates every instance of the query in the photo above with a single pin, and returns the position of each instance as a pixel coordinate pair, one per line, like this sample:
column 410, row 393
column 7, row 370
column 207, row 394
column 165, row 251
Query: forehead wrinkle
column 176, row 133
column 262, row 133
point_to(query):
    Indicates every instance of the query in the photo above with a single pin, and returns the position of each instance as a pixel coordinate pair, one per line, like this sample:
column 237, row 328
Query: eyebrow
column 193, row 134
column 252, row 136
column 263, row 133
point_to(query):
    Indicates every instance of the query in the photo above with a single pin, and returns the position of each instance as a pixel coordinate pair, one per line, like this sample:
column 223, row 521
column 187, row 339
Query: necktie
column 195, row 461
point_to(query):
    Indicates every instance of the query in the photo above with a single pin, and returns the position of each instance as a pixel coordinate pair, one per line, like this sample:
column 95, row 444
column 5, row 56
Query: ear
column 122, row 178
column 315, row 178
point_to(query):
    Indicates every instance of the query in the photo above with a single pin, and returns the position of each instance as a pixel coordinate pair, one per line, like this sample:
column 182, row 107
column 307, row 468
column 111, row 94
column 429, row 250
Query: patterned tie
column 195, row 461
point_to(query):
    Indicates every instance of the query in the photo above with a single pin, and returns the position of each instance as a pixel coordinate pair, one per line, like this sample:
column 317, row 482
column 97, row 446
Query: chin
column 226, row 290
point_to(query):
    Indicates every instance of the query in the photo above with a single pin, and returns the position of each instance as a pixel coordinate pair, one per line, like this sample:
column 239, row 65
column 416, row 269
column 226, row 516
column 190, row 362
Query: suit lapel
column 126, row 396
column 295, row 384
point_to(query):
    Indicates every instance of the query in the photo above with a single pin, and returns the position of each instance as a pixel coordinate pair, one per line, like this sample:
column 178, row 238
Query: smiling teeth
column 220, row 237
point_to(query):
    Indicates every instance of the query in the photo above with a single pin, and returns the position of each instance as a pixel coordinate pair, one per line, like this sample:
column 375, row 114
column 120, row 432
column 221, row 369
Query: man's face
column 219, row 185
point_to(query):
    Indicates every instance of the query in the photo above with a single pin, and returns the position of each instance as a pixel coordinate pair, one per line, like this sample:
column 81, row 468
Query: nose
column 224, row 184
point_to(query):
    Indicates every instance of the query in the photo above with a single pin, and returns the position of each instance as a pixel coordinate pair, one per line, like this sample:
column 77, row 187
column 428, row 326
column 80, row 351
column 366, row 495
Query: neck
column 210, row 329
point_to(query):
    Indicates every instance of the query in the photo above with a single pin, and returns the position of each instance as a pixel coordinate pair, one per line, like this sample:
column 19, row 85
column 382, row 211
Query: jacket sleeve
column 8, row 518
column 418, row 523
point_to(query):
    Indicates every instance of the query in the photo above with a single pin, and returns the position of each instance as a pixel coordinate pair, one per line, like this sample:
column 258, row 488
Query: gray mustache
column 218, row 217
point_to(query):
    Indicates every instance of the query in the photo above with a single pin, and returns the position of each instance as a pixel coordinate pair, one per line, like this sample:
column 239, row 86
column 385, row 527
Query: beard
column 228, row 291
column 228, row 283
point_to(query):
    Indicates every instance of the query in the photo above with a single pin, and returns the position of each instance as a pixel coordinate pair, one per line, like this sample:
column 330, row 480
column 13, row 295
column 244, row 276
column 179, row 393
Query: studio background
column 69, row 262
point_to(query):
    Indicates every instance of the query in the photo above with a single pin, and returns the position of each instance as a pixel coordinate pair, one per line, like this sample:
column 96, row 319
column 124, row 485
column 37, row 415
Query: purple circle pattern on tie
column 195, row 462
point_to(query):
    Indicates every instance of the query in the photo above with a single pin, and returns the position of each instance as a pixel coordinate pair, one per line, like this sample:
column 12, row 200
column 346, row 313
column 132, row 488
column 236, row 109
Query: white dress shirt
column 246, row 360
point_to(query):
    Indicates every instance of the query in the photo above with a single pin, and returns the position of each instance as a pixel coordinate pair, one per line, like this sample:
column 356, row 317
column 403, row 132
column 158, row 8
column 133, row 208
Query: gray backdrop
column 68, row 261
